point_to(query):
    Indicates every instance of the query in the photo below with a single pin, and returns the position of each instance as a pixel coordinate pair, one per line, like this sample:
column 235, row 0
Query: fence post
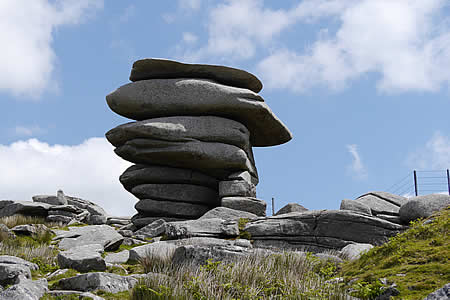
column 415, row 182
column 448, row 182
column 273, row 206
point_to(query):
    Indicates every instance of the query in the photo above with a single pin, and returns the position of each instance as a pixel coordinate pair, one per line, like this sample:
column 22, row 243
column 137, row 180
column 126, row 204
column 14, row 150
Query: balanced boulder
column 192, row 140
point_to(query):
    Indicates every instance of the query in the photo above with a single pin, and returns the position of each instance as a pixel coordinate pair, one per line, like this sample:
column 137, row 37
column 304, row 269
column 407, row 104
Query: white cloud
column 189, row 37
column 406, row 42
column 356, row 169
column 90, row 171
column 27, row 59
column 28, row 130
column 435, row 155
column 189, row 4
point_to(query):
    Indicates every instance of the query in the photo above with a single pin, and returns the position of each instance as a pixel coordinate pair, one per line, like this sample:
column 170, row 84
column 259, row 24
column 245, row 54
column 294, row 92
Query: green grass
column 282, row 276
column 416, row 260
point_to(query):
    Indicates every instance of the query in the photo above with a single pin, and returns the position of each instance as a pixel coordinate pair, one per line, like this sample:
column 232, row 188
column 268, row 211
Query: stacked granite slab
column 192, row 138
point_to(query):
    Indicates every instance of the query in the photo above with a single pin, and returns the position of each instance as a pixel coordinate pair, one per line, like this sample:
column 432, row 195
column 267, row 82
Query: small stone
column 154, row 229
column 226, row 213
column 89, row 282
column 354, row 251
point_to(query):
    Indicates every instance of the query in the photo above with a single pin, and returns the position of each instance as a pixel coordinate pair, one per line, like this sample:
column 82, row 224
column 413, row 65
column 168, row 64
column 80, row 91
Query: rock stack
column 192, row 139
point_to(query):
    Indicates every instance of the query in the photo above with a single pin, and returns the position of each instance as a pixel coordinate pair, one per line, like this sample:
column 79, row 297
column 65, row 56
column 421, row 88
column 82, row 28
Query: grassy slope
column 421, row 253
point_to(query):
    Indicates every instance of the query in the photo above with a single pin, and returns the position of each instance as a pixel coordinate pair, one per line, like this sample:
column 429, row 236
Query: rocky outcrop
column 381, row 204
column 440, row 294
column 319, row 230
column 291, row 207
column 213, row 227
column 423, row 207
column 59, row 209
column 193, row 138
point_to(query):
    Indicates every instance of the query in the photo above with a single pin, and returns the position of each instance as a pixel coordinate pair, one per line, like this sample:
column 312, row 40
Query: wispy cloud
column 46, row 168
column 356, row 169
column 28, row 130
column 435, row 155
column 189, row 37
column 407, row 43
column 27, row 57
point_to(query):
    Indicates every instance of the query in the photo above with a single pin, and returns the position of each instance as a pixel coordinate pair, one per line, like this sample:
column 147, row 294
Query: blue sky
column 362, row 85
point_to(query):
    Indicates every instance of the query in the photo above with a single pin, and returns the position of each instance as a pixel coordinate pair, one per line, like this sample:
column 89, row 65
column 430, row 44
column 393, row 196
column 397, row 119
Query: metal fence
column 422, row 182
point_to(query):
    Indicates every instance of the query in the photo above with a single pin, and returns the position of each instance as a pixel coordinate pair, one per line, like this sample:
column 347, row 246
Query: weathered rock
column 252, row 205
column 11, row 273
column 151, row 68
column 202, row 228
column 354, row 251
column 171, row 97
column 183, row 128
column 118, row 258
column 58, row 219
column 161, row 250
column 236, row 188
column 91, row 207
column 96, row 219
column 25, row 208
column 108, row 282
column 392, row 219
column 199, row 255
column 30, row 229
column 49, row 199
column 291, row 207
column 140, row 220
column 58, row 209
column 382, row 202
column 81, row 295
column 440, row 294
column 211, row 158
column 243, row 176
column 357, row 206
column 423, row 207
column 226, row 213
column 142, row 174
column 83, row 258
column 94, row 234
column 25, row 290
column 154, row 229
column 125, row 233
column 6, row 259
column 177, row 192
column 4, row 203
column 118, row 221
column 170, row 209
column 62, row 213
column 320, row 230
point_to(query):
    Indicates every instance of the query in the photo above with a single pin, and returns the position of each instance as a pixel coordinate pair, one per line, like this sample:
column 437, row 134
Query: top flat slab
column 152, row 68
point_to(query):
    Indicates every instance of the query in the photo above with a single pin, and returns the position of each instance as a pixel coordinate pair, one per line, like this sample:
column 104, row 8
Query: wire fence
column 422, row 182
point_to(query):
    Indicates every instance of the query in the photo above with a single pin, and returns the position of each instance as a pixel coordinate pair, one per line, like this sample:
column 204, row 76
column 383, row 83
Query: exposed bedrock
column 214, row 159
column 151, row 68
column 320, row 230
column 142, row 174
column 183, row 128
column 177, row 192
column 156, row 98
column 161, row 208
